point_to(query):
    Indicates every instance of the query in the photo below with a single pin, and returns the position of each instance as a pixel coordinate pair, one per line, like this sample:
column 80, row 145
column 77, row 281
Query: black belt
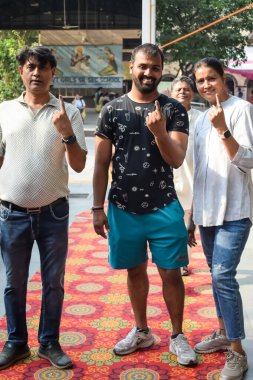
column 30, row 210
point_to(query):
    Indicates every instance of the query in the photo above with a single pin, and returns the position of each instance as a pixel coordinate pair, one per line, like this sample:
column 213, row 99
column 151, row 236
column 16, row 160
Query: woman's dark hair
column 150, row 49
column 41, row 53
column 212, row 62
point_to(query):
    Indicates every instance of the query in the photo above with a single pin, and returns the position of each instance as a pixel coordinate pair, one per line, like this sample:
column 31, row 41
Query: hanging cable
column 207, row 26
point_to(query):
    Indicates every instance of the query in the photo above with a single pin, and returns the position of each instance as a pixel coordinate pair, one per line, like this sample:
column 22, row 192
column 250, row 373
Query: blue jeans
column 19, row 230
column 223, row 247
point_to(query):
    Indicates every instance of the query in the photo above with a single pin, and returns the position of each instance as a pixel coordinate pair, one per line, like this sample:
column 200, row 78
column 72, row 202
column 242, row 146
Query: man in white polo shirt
column 182, row 89
column 39, row 136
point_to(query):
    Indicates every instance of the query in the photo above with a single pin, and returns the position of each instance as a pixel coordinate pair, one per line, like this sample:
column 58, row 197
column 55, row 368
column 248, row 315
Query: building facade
column 92, row 41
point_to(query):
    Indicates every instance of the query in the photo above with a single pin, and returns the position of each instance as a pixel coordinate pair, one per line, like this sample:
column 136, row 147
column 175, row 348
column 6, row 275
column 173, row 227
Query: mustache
column 146, row 77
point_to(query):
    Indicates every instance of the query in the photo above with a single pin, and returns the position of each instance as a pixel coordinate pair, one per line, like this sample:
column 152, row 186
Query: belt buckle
column 35, row 210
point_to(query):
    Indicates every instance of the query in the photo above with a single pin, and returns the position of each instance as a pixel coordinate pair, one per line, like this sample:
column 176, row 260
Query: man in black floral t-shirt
column 147, row 133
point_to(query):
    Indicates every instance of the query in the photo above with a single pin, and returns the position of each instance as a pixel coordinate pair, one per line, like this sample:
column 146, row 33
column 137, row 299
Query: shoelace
column 129, row 336
column 214, row 335
column 232, row 359
column 183, row 343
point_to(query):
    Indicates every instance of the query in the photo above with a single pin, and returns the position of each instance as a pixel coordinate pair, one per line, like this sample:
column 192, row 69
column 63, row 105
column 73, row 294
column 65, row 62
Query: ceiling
column 68, row 14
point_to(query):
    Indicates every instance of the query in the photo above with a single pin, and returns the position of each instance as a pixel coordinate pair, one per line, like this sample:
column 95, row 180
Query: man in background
column 79, row 103
column 183, row 90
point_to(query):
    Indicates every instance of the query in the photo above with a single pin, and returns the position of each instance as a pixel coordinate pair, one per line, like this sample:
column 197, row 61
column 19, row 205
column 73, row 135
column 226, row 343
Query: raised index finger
column 217, row 101
column 157, row 106
column 62, row 105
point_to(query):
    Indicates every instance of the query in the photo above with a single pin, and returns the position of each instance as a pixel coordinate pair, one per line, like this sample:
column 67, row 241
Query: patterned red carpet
column 97, row 313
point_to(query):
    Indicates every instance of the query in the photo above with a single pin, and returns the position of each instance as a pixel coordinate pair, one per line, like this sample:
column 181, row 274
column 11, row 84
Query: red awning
column 245, row 73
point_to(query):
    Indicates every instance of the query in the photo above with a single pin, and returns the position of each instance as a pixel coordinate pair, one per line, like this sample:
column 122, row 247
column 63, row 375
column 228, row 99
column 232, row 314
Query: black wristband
column 97, row 208
column 70, row 140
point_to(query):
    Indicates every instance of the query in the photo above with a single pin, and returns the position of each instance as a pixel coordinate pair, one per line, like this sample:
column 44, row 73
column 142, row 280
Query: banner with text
column 88, row 66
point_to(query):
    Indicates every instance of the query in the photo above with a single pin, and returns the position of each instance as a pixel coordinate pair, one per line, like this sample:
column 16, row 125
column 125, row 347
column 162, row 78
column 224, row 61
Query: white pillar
column 149, row 21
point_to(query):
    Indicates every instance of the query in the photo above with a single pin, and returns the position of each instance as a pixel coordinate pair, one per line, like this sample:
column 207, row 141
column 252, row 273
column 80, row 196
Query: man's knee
column 138, row 271
column 170, row 276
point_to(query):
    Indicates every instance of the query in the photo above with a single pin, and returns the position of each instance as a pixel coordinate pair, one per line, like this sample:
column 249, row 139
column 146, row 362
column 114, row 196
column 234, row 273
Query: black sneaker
column 12, row 352
column 52, row 351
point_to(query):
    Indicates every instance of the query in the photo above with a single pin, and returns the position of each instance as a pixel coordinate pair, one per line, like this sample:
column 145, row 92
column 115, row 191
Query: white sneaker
column 181, row 348
column 133, row 341
column 212, row 343
column 235, row 366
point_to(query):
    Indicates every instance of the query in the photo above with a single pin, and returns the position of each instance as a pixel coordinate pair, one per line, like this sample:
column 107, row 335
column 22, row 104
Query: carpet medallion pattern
column 97, row 314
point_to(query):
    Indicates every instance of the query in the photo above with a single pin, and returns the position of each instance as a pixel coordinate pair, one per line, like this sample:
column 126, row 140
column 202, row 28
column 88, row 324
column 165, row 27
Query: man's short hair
column 41, row 53
column 150, row 49
column 185, row 79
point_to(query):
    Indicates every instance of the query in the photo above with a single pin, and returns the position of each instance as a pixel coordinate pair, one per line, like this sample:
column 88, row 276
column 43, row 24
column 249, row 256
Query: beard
column 145, row 88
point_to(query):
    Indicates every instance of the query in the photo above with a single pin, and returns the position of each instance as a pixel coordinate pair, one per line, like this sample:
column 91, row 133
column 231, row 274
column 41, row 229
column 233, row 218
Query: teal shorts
column 163, row 231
